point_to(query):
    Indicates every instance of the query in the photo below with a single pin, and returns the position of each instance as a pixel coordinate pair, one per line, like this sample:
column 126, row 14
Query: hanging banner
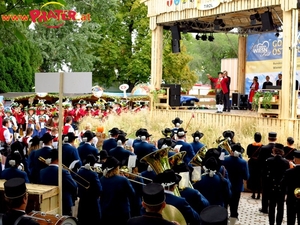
column 264, row 58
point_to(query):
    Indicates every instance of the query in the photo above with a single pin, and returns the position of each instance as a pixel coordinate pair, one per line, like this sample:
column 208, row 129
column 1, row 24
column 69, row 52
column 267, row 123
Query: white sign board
column 80, row 82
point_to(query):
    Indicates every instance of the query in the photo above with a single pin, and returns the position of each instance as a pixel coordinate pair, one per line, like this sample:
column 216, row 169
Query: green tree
column 18, row 63
column 207, row 55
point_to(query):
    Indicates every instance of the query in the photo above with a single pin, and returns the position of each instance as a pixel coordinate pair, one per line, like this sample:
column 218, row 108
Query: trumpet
column 87, row 186
column 124, row 169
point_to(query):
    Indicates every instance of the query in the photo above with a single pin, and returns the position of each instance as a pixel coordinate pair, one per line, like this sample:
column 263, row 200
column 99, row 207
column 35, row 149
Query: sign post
column 75, row 83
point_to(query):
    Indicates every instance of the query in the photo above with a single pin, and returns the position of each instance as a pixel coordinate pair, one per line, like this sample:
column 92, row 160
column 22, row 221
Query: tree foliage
column 18, row 63
column 207, row 55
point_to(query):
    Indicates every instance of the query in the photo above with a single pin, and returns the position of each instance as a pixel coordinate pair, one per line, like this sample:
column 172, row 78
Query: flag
column 169, row 2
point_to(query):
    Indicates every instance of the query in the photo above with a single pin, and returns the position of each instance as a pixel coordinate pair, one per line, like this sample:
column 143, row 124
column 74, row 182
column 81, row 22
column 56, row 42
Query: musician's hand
column 176, row 150
column 175, row 222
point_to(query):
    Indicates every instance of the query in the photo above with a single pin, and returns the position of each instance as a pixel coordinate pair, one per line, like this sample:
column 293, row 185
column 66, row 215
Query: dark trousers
column 234, row 204
column 276, row 200
column 265, row 198
column 219, row 97
column 226, row 101
column 293, row 210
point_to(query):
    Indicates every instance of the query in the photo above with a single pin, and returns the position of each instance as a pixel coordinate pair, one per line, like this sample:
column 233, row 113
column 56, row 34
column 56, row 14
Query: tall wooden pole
column 156, row 55
column 289, row 64
column 241, row 64
column 60, row 127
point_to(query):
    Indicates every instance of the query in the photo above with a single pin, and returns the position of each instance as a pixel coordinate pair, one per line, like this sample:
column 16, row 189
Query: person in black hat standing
column 142, row 149
column 119, row 152
column 170, row 180
column 265, row 153
column 273, row 174
column 16, row 196
column 196, row 144
column 85, row 149
column 181, row 135
column 154, row 203
column 69, row 152
column 138, row 136
column 89, row 211
column 117, row 194
column 111, row 142
column 291, row 183
column 34, row 164
column 177, row 123
column 166, row 141
column 49, row 176
column 238, row 172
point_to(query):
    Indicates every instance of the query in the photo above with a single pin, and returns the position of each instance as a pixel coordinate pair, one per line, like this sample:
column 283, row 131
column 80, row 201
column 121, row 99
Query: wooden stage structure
column 202, row 16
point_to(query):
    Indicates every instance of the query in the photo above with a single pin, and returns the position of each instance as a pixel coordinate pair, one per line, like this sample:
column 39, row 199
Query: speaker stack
column 174, row 94
column 243, row 104
column 176, row 37
column 267, row 21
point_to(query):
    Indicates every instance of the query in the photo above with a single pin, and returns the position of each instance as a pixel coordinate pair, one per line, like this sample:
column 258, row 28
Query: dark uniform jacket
column 120, row 154
column 13, row 172
column 290, row 182
column 196, row 200
column 265, row 153
column 189, row 150
column 86, row 149
column 142, row 149
column 69, row 154
column 11, row 216
column 108, row 144
column 149, row 219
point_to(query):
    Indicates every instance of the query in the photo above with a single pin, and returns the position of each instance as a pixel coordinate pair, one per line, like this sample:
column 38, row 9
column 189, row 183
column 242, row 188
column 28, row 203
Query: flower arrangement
column 156, row 92
column 263, row 97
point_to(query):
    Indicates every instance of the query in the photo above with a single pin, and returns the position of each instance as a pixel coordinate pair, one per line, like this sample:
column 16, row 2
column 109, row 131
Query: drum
column 46, row 219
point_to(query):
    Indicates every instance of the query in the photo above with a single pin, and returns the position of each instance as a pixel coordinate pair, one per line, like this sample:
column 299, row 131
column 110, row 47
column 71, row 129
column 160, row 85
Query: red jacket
column 223, row 83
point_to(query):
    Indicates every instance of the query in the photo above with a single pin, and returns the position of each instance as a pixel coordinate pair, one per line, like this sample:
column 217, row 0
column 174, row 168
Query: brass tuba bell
column 177, row 158
column 225, row 145
column 297, row 192
column 197, row 159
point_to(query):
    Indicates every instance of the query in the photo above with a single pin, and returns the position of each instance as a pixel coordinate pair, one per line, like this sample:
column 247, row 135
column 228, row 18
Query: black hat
column 181, row 168
column 122, row 138
column 279, row 146
column 53, row 155
column 211, row 163
column 237, row 147
column 139, row 131
column 197, row 134
column 228, row 133
column 167, row 132
column 111, row 163
column 181, row 132
column 89, row 135
column 177, row 120
column 153, row 194
column 121, row 132
column 69, row 137
column 167, row 178
column 114, row 131
column 297, row 154
column 214, row 215
column 91, row 159
column 103, row 154
column 257, row 137
column 47, row 137
column 35, row 141
column 145, row 133
column 272, row 135
column 14, row 188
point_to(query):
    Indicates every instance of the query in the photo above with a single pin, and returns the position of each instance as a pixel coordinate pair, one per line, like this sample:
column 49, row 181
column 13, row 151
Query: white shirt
column 7, row 135
column 71, row 129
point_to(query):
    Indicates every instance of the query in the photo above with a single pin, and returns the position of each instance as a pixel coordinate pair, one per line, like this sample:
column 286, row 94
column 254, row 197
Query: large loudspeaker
column 175, row 32
column 174, row 93
column 235, row 100
column 243, row 104
column 175, row 46
column 267, row 21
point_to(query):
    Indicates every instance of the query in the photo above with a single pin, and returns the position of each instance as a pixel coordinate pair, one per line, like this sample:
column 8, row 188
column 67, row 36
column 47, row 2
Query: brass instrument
column 177, row 158
column 171, row 213
column 159, row 162
column 224, row 144
column 97, row 168
column 197, row 160
column 124, row 169
column 297, row 192
column 87, row 186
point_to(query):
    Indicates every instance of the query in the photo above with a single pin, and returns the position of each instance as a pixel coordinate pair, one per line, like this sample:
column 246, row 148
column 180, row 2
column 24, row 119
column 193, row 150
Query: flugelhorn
column 87, row 186
column 297, row 192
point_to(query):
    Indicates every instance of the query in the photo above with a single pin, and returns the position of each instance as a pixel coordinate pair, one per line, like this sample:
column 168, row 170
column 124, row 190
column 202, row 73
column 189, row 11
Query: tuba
column 197, row 159
column 177, row 158
column 159, row 162
column 297, row 192
column 224, row 144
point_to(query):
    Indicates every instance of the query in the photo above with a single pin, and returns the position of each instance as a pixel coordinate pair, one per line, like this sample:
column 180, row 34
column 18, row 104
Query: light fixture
column 218, row 23
column 211, row 38
column 255, row 17
column 198, row 37
column 203, row 37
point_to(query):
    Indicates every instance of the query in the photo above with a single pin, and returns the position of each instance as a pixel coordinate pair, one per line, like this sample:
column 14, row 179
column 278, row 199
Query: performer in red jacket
column 221, row 89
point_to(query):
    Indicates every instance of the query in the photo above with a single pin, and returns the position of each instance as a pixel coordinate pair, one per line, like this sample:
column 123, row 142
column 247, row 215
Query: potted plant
column 265, row 98
column 211, row 92
column 157, row 93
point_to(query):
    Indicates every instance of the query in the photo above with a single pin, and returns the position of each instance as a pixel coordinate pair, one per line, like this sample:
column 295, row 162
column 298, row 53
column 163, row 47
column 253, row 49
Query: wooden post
column 289, row 64
column 60, row 126
column 241, row 64
column 156, row 56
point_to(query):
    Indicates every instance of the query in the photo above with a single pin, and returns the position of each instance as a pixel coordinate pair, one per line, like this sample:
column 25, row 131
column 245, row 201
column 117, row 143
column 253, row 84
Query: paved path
column 249, row 212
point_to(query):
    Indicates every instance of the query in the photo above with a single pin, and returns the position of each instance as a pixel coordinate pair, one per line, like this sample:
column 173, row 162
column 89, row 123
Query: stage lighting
column 203, row 37
column 211, row 38
column 197, row 37
column 218, row 23
column 277, row 34
column 255, row 17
